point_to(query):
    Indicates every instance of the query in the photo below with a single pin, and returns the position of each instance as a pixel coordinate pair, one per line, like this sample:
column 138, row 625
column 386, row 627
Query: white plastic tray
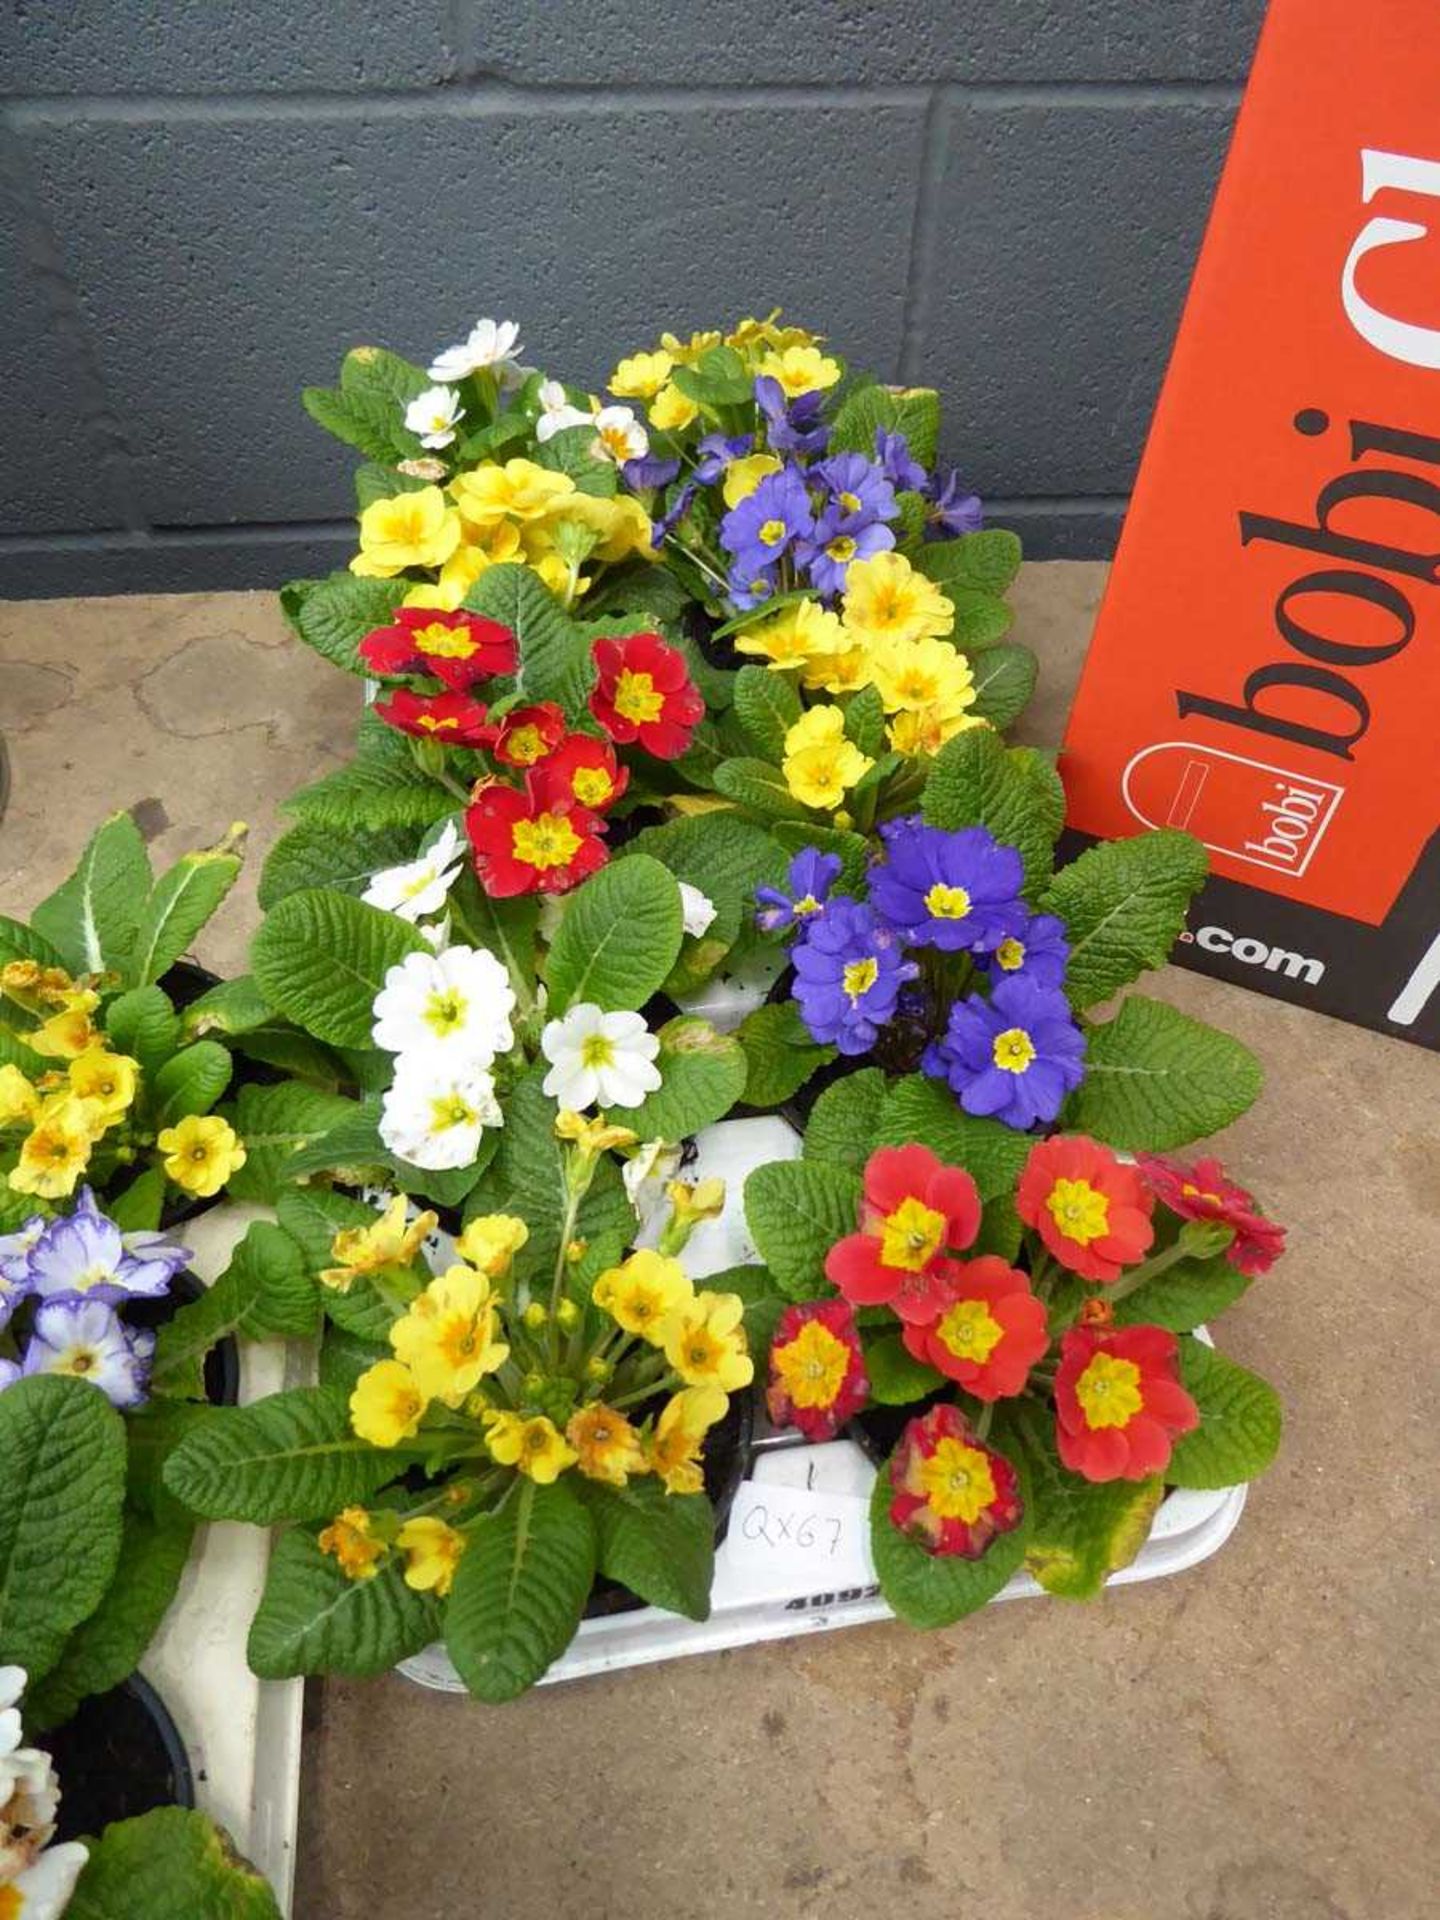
column 242, row 1734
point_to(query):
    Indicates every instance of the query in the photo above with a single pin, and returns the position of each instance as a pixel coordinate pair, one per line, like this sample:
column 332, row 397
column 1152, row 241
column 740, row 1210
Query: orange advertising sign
column 1266, row 666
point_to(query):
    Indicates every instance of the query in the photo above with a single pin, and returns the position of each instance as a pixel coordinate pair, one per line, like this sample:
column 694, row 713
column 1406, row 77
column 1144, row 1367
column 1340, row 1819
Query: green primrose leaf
column 913, row 411
column 796, row 1211
column 190, row 1081
column 1156, row 1079
column 291, row 1456
column 345, row 859
column 917, row 1108
column 333, row 616
column 313, row 1619
column 702, row 1075
column 1240, row 1421
column 767, row 706
column 987, row 561
column 1004, row 681
column 619, row 938
column 932, row 1589
column 780, row 1055
column 976, row 781
column 1081, row 1532
column 169, row 1864
column 144, row 1024
column 1123, row 903
column 896, row 1376
column 321, row 958
column 661, row 1545
column 265, row 1293
column 761, row 788
column 179, row 904
column 91, row 918
column 275, row 1122
column 844, row 1125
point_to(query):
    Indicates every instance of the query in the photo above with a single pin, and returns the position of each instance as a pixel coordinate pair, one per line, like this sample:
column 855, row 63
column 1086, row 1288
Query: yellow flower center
column 597, row 1051
column 947, row 903
column 806, row 904
column 841, row 548
column 441, row 723
column 444, row 643
column 1009, row 955
column 616, row 442
column 637, row 697
column 1109, row 1391
column 1199, row 1193
column 850, row 501
column 911, row 1236
column 458, row 1338
column 12, row 1903
column 1013, row 1050
column 451, row 1111
column 200, row 1153
column 1080, row 1211
column 445, row 1011
column 970, row 1331
column 958, row 1482
column 525, row 745
column 81, row 1361
column 547, row 841
column 703, row 1352
column 591, row 786
column 860, row 976
column 813, row 1366
column 772, row 532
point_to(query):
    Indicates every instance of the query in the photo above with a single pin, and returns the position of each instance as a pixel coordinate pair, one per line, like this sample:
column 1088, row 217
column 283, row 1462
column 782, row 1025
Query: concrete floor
column 1254, row 1740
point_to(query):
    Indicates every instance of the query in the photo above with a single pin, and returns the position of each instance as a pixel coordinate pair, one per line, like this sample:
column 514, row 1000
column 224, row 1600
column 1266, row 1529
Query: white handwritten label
column 799, row 1540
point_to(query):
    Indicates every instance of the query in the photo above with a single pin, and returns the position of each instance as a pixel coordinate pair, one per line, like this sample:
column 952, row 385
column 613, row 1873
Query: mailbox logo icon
column 1250, row 810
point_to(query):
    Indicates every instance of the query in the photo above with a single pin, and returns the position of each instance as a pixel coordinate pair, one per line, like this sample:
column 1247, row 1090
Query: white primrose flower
column 36, row 1879
column 697, row 909
column 458, row 1003
column 556, row 412
column 490, row 343
column 599, row 1059
column 437, row 1109
column 647, row 1173
column 619, row 435
column 437, row 935
column 433, row 415
column 419, row 888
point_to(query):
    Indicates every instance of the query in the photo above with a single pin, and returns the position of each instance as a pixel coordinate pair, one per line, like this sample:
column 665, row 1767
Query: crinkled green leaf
column 1240, row 1421
column 1185, row 1296
column 760, row 787
column 169, row 1864
column 779, row 1053
column 988, row 560
column 619, row 938
column 345, row 859
column 896, row 1376
column 976, row 781
column 144, row 1024
column 1123, row 903
column 190, row 1081
column 19, row 942
column 274, row 1122
column 62, row 1483
column 265, row 1293
column 290, row 1456
column 506, row 928
column 91, row 917
column 230, row 1007
column 555, row 662
column 1004, row 682
column 702, row 1075
column 179, row 904
column 935, row 1589
column 920, row 1109
column 520, row 1589
column 367, row 409
column 660, row 1545
column 913, row 411
column 796, row 1211
column 794, row 836
column 381, row 788
column 1081, row 1531
column 321, row 958
column 527, row 1178
column 313, row 1619
column 1156, row 1079
column 137, row 1209
column 767, row 706
column 844, row 1125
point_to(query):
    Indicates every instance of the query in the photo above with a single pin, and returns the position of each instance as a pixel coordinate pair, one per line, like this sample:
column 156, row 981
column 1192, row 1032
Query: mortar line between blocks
column 934, row 153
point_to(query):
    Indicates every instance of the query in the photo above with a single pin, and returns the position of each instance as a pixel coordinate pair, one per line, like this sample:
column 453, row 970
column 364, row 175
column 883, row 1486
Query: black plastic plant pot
column 118, row 1756
column 727, row 1456
column 222, row 1363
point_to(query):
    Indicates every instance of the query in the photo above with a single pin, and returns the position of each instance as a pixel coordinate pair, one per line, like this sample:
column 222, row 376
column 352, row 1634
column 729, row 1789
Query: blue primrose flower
column 791, row 427
column 898, row 464
column 811, row 876
column 85, row 1256
column 858, row 488
column 1039, row 952
column 955, row 891
column 848, row 974
column 766, row 524
column 827, row 556
column 665, row 525
column 954, row 509
column 715, row 454
column 85, row 1339
column 649, row 471
column 1013, row 1057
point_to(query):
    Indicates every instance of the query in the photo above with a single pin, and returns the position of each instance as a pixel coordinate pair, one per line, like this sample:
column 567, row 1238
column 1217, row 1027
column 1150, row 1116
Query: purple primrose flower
column 1013, row 1057
column 849, row 970
column 955, row 891
column 811, row 876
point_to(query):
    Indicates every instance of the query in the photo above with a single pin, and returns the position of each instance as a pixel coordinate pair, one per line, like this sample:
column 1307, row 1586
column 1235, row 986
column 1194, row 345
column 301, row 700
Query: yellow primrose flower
column 517, row 490
column 386, row 1242
column 65, row 1036
column 927, row 730
column 843, row 672
column 619, row 526
column 349, row 1540
column 593, row 1137
column 694, row 1201
column 751, row 332
column 201, row 1153
column 686, row 352
column 57, row 1152
column 556, row 575
column 705, row 1343
column 386, row 1405
column 674, row 1447
column 641, row 376
column 491, row 1241
column 671, row 410
column 643, row 1293
column 915, row 674
column 804, row 634
column 432, row 1553
column 408, row 530
column 535, row 1445
column 800, row 370
column 19, row 1102
column 606, row 1446
column 820, row 763
column 108, row 1079
column 743, row 476
column 886, row 599
column 447, row 1338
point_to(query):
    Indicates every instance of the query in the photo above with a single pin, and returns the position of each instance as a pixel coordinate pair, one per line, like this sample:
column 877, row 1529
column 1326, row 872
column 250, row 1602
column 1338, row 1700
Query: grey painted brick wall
column 205, row 202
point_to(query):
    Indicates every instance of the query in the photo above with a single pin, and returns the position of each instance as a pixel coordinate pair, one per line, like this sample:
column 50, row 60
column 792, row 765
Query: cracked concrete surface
column 1254, row 1740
